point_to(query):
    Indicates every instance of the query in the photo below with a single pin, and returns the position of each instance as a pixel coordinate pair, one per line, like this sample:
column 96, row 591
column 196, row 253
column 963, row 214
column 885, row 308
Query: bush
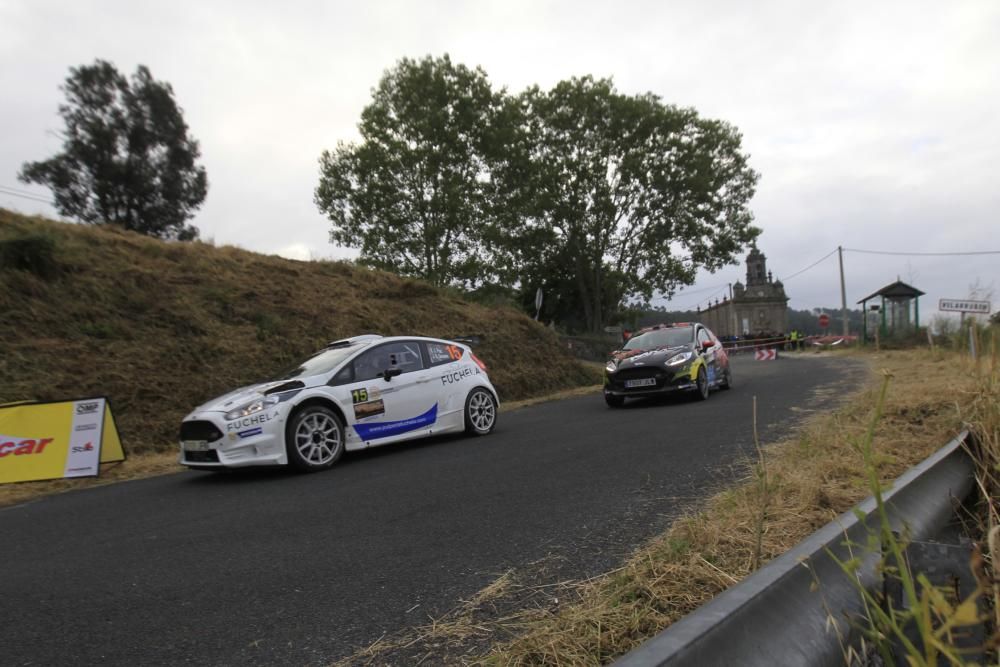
column 34, row 253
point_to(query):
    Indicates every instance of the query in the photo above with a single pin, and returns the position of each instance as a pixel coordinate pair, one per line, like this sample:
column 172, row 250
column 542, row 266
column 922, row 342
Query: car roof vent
column 345, row 342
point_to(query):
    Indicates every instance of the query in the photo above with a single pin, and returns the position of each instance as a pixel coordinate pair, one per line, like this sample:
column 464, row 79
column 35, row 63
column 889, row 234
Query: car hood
column 639, row 357
column 244, row 395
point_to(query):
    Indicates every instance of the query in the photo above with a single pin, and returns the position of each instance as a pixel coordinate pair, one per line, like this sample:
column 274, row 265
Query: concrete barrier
column 774, row 618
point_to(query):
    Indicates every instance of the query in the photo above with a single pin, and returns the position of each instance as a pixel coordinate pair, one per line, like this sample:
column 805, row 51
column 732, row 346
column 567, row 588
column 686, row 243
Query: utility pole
column 843, row 290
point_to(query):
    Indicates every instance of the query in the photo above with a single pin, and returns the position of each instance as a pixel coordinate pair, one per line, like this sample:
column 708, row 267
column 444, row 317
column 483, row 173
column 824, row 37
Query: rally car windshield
column 321, row 362
column 660, row 338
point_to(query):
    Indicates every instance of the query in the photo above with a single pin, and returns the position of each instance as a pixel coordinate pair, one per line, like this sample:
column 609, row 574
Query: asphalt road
column 270, row 567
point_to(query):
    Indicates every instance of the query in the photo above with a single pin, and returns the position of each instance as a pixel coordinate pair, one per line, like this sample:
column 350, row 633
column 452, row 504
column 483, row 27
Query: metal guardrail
column 774, row 618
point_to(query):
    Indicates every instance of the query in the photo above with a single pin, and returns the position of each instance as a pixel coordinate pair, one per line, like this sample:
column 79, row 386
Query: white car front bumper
column 209, row 441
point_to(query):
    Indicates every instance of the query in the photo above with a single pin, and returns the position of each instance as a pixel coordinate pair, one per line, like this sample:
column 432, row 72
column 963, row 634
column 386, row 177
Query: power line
column 924, row 254
column 707, row 301
column 14, row 193
column 683, row 292
column 823, row 258
column 23, row 192
column 722, row 288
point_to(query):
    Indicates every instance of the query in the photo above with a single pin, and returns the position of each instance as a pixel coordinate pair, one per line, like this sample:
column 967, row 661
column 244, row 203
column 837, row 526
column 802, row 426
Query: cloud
column 871, row 124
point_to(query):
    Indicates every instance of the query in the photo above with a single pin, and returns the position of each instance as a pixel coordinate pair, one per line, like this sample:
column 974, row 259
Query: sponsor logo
column 87, row 408
column 456, row 376
column 79, row 449
column 22, row 446
column 85, row 427
column 79, row 469
column 250, row 421
column 387, row 429
column 369, row 409
column 249, row 433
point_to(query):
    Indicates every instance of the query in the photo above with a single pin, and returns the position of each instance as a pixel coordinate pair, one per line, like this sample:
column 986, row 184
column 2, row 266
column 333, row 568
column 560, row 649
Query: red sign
column 765, row 355
column 824, row 321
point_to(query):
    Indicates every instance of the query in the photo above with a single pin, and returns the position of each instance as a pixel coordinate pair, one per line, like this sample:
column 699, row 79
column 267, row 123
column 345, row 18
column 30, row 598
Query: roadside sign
column 612, row 330
column 964, row 306
column 765, row 355
column 824, row 321
column 57, row 439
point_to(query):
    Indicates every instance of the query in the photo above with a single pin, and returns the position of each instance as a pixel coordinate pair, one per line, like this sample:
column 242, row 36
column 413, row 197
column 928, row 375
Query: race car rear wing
column 471, row 340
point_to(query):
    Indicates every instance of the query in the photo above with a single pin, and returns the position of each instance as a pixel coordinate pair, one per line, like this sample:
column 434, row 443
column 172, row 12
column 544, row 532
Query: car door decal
column 369, row 409
column 387, row 429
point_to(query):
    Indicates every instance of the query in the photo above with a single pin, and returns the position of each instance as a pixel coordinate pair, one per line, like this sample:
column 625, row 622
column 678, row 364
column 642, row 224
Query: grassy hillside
column 159, row 327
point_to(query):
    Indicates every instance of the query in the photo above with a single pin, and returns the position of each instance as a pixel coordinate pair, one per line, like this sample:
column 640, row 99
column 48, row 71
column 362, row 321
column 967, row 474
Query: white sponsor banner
column 964, row 306
column 84, row 457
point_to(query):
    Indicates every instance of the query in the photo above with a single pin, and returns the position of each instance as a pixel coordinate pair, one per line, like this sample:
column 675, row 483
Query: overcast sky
column 874, row 125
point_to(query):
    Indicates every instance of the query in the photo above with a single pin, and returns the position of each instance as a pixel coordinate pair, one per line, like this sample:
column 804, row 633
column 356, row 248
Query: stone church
column 760, row 306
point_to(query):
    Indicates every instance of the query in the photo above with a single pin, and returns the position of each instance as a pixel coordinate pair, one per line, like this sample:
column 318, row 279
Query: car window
column 404, row 355
column 655, row 338
column 322, row 362
column 344, row 376
column 442, row 353
column 703, row 336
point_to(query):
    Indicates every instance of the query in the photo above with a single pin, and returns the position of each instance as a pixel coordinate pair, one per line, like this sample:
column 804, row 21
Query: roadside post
column 876, row 309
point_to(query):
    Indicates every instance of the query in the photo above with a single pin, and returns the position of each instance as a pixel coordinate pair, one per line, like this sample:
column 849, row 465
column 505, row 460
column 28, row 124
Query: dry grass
column 983, row 417
column 804, row 483
column 586, row 390
column 159, row 327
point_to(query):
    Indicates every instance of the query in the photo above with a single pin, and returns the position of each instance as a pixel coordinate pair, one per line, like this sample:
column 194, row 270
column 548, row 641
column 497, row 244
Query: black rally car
column 666, row 358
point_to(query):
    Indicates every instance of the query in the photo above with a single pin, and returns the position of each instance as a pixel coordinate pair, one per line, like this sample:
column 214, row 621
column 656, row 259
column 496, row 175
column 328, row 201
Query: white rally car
column 356, row 393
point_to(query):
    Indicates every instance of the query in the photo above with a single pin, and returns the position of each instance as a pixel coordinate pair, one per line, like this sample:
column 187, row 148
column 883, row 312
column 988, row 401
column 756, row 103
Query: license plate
column 195, row 445
column 644, row 382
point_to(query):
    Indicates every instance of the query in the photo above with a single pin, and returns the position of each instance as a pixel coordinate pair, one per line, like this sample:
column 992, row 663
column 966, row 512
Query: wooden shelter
column 894, row 309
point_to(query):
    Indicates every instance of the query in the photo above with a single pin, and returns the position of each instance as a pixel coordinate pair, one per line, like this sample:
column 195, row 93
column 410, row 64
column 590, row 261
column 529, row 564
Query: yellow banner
column 57, row 439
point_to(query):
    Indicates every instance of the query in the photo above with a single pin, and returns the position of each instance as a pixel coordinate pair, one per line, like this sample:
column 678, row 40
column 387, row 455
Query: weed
column 925, row 628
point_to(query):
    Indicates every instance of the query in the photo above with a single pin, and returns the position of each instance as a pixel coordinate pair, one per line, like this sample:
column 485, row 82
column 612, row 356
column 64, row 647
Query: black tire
column 480, row 412
column 614, row 401
column 727, row 380
column 314, row 438
column 702, row 388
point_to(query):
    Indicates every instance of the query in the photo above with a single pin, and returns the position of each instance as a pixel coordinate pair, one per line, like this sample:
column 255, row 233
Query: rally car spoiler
column 471, row 340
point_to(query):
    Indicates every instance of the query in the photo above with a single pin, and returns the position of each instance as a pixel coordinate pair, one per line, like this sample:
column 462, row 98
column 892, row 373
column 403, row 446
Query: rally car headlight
column 678, row 358
column 253, row 406
column 610, row 367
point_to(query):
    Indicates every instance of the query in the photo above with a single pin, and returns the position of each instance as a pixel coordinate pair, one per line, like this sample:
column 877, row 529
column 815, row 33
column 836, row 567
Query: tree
column 127, row 157
column 624, row 193
column 414, row 194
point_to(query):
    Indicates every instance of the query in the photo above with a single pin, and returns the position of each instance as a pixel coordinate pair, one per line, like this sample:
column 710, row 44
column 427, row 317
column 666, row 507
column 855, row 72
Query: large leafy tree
column 127, row 156
column 415, row 193
column 622, row 196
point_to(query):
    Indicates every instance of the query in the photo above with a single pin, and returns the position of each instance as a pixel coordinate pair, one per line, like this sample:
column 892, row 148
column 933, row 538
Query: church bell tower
column 756, row 268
